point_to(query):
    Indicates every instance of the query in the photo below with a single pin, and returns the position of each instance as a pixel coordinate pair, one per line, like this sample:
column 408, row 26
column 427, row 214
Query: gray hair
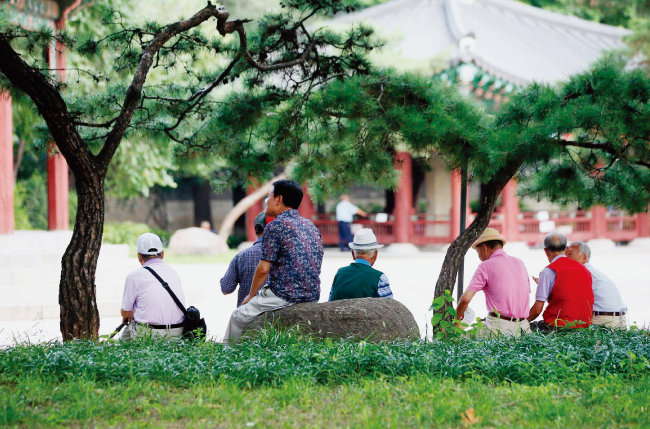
column 584, row 248
column 555, row 242
column 364, row 252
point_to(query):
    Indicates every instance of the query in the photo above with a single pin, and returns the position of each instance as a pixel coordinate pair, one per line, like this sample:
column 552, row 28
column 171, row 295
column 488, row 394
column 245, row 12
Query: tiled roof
column 508, row 39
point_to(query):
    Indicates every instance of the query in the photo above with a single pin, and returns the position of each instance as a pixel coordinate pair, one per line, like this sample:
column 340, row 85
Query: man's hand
column 536, row 280
column 245, row 301
column 127, row 316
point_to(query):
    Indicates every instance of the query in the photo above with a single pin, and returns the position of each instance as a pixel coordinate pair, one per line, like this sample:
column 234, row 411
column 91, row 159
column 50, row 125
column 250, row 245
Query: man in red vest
column 566, row 285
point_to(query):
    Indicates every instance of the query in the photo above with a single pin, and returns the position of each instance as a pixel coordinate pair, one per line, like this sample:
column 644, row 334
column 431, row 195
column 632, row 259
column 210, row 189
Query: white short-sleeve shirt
column 345, row 211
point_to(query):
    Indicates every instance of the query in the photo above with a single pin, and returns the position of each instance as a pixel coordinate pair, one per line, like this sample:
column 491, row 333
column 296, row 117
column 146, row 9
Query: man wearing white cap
column 359, row 279
column 504, row 281
column 146, row 306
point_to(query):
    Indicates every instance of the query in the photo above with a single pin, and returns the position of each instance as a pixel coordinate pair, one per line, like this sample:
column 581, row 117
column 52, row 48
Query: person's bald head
column 554, row 245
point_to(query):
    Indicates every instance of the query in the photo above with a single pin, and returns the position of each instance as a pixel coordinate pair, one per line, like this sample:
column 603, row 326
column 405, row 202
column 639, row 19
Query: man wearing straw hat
column 359, row 279
column 504, row 281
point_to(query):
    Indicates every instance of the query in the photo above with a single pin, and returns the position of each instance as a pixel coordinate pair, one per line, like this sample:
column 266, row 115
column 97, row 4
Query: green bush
column 21, row 217
column 128, row 233
column 235, row 240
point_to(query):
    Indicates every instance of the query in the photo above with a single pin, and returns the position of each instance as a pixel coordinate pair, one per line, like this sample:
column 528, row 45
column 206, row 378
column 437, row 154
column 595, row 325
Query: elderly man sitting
column 359, row 279
column 504, row 281
column 609, row 309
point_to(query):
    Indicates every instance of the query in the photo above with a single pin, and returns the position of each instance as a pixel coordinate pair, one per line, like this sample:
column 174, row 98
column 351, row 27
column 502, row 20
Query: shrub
column 128, row 233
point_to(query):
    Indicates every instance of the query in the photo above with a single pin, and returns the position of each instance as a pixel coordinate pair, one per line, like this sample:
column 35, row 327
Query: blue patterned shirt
column 242, row 270
column 293, row 246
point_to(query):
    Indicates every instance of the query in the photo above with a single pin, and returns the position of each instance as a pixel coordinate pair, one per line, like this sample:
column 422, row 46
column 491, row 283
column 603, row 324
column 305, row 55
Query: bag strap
column 168, row 289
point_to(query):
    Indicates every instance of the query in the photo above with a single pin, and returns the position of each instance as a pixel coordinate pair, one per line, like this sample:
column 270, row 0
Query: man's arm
column 127, row 316
column 535, row 310
column 383, row 287
column 230, row 279
column 463, row 303
column 261, row 273
column 361, row 212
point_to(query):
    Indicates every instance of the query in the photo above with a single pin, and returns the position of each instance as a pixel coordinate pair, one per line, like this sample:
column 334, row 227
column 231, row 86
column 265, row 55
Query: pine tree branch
column 200, row 95
column 133, row 94
column 607, row 147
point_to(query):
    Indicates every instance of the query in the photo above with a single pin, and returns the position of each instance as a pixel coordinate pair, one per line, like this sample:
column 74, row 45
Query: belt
column 609, row 313
column 501, row 316
column 152, row 326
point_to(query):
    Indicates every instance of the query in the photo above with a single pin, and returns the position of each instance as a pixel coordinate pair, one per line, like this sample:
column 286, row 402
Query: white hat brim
column 365, row 247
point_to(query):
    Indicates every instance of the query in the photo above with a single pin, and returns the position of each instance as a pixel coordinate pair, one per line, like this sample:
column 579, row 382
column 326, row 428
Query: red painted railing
column 426, row 230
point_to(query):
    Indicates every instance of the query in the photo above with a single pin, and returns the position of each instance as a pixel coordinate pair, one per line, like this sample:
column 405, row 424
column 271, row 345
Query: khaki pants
column 264, row 301
column 494, row 326
column 619, row 322
column 134, row 330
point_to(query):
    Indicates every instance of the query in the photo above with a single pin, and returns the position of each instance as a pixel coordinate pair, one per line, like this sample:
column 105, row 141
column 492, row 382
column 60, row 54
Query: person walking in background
column 359, row 279
column 345, row 212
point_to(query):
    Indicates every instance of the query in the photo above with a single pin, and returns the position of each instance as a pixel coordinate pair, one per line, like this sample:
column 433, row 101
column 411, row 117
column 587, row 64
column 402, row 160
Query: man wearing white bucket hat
column 504, row 281
column 359, row 279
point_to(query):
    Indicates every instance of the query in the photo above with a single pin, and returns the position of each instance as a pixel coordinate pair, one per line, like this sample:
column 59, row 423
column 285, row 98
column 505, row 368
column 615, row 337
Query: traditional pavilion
column 33, row 14
column 491, row 48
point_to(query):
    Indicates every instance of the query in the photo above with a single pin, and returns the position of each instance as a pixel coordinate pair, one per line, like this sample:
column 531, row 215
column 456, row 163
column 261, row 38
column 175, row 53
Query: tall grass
column 274, row 357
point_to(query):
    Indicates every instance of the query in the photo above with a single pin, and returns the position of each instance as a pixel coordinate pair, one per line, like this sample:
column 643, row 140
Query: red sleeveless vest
column 571, row 297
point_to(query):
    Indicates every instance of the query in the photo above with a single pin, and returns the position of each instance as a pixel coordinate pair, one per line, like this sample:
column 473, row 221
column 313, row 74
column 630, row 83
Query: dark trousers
column 345, row 235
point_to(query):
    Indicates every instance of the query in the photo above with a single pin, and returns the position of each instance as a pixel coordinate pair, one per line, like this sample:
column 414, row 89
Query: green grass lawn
column 592, row 378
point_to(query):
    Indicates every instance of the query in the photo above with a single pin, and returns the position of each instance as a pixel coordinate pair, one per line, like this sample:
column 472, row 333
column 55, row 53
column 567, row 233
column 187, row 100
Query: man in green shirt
column 359, row 279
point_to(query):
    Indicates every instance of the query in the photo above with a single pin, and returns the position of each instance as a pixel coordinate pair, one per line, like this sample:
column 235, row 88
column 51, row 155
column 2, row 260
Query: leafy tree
column 281, row 59
column 586, row 140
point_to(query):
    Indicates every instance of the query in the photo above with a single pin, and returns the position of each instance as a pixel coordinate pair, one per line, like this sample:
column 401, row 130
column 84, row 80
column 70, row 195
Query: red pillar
column 251, row 214
column 307, row 209
column 57, row 190
column 510, row 205
column 6, row 165
column 598, row 222
column 403, row 199
column 58, row 217
column 643, row 225
column 454, row 212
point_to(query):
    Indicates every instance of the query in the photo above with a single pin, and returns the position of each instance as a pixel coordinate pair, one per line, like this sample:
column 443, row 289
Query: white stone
column 640, row 243
column 196, row 241
column 244, row 245
column 601, row 244
column 400, row 249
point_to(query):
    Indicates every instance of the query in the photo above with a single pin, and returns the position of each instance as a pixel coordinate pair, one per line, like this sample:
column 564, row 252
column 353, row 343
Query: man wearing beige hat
column 504, row 281
column 359, row 279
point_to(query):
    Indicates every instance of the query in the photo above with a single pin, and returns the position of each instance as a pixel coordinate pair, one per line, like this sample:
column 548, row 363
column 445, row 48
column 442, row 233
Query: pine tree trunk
column 77, row 294
column 458, row 249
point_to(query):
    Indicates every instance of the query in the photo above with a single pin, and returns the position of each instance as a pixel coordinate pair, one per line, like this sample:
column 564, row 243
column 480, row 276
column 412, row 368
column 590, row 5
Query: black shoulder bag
column 194, row 327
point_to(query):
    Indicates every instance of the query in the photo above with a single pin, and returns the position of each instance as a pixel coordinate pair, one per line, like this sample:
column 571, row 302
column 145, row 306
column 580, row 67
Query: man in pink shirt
column 504, row 281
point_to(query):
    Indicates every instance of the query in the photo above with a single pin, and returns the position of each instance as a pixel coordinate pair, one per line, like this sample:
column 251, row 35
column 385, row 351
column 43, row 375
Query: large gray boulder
column 374, row 319
column 196, row 241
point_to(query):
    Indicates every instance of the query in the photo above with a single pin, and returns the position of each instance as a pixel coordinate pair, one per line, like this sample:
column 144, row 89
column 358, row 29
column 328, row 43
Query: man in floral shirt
column 292, row 254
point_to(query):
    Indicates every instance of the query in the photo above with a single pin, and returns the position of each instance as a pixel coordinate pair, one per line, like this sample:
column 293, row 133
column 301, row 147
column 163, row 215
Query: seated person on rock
column 292, row 254
column 147, row 307
column 566, row 284
column 504, row 281
column 359, row 279
column 242, row 267
column 609, row 309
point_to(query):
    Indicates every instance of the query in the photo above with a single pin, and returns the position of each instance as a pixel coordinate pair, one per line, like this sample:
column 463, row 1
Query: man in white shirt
column 345, row 212
column 147, row 307
column 609, row 309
